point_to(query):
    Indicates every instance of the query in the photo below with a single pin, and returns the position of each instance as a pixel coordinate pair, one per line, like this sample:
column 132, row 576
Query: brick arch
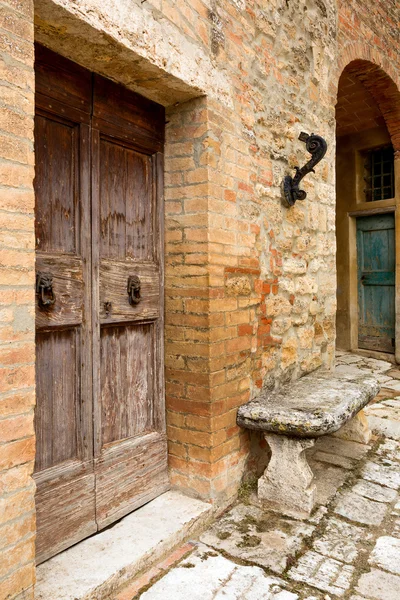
column 380, row 80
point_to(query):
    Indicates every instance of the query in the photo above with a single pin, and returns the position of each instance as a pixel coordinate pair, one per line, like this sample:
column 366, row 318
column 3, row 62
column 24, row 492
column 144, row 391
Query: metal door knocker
column 44, row 289
column 316, row 146
column 134, row 290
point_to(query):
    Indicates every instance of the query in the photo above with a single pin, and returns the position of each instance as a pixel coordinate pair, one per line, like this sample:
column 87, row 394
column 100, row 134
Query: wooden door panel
column 64, row 474
column 376, row 282
column 114, row 300
column 126, row 210
column 57, row 212
column 68, row 287
column 57, row 415
column 63, row 82
column 127, row 375
column 130, row 475
column 64, row 514
column 137, row 120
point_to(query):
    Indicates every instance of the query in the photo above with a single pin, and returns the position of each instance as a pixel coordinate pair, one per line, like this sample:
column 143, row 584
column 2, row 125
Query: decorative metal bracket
column 316, row 146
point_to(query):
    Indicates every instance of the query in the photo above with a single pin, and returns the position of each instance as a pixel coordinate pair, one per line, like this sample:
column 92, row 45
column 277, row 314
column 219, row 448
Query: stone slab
column 360, row 509
column 373, row 491
column 377, row 365
column 385, row 474
column 96, row 567
column 349, row 359
column 340, row 540
column 386, row 554
column 352, row 371
column 396, row 528
column 349, row 449
column 389, row 449
column 317, row 404
column 393, row 385
column 207, row 575
column 384, row 417
column 334, row 459
column 393, row 373
column 266, row 539
column 326, row 574
column 378, row 585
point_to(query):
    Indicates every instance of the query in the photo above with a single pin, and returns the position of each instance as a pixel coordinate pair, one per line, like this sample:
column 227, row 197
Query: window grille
column 379, row 174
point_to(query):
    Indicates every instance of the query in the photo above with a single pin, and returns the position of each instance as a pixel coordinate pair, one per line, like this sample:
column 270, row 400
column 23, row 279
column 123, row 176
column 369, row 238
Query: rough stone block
column 325, row 574
column 384, row 417
column 388, row 474
column 378, row 585
column 206, row 575
column 386, row 555
column 373, row 491
column 266, row 539
column 340, row 540
column 359, row 509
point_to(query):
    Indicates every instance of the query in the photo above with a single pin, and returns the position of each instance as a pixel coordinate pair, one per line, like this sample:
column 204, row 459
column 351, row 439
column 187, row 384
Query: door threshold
column 96, row 568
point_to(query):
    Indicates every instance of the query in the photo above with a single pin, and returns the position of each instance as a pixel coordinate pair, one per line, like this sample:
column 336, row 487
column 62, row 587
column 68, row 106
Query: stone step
column 98, row 567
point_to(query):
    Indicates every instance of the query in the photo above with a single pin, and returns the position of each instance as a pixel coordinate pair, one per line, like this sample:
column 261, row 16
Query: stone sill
column 96, row 568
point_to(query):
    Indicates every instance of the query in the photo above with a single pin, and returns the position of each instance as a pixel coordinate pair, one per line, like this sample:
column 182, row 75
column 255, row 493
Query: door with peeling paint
column 376, row 282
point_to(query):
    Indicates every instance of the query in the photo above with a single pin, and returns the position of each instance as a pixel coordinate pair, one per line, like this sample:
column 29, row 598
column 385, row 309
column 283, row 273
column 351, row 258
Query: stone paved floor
column 349, row 548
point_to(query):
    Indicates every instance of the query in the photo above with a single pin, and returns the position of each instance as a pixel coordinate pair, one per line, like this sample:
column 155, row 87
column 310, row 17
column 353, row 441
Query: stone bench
column 291, row 418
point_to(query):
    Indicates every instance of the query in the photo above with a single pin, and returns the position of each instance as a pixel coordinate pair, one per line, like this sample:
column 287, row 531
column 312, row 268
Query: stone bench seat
column 291, row 418
column 317, row 404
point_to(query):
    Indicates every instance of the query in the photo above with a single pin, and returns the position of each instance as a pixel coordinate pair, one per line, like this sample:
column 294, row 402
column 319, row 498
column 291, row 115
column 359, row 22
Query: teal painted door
column 376, row 280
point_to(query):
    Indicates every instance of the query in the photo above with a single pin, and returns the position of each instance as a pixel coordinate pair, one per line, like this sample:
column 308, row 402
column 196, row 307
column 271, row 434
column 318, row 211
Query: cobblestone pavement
column 349, row 548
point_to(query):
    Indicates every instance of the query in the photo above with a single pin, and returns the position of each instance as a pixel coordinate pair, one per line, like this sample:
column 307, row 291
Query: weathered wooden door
column 130, row 443
column 100, row 423
column 376, row 282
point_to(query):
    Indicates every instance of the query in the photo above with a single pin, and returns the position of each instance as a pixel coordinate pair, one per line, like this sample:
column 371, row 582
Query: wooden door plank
column 59, row 527
column 130, row 449
column 130, row 475
column 65, row 503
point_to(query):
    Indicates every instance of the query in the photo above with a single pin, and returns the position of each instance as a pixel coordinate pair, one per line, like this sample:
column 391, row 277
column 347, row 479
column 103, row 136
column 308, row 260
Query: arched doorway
column 368, row 192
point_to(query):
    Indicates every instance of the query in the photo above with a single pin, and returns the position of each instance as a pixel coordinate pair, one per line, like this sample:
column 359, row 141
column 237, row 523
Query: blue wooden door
column 376, row 280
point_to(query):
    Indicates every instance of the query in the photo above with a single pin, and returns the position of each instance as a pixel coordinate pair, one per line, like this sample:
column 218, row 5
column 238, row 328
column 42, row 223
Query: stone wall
column 250, row 284
column 267, row 307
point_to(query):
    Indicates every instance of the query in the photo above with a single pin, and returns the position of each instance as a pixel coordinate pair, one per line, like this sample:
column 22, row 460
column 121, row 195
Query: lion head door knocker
column 316, row 146
column 44, row 290
column 134, row 290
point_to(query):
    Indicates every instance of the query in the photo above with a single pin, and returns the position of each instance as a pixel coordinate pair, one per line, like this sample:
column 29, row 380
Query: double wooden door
column 100, row 419
column 376, row 282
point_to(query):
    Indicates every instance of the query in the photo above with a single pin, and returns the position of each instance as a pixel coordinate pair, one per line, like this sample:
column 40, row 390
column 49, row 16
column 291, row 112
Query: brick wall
column 17, row 376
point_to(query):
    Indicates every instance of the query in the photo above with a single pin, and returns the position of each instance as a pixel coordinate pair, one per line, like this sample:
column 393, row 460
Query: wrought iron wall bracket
column 316, row 146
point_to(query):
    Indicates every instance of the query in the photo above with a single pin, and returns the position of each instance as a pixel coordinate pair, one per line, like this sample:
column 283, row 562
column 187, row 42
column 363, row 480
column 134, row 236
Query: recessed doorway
column 100, row 416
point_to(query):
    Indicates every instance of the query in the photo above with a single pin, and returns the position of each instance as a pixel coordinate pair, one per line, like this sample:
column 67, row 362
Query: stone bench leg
column 287, row 484
column 356, row 430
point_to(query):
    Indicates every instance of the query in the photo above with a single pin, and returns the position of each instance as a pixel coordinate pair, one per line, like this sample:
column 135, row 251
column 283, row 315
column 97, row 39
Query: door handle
column 44, row 289
column 134, row 285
